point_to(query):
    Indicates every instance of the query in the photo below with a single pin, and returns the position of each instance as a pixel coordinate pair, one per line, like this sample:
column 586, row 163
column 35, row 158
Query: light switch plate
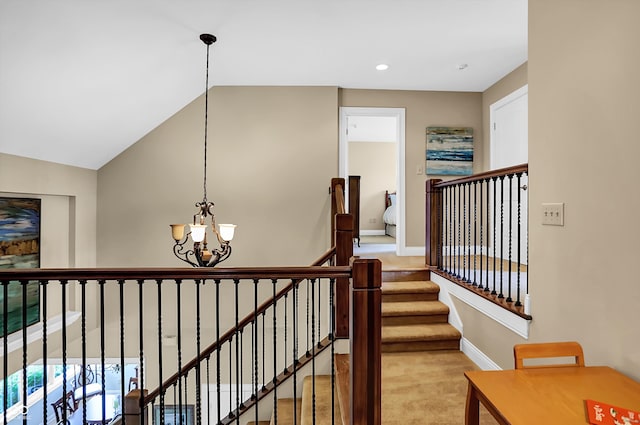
column 553, row 214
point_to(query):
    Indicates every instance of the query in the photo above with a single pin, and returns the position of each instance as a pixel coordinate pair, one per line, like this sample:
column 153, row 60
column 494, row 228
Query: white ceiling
column 81, row 80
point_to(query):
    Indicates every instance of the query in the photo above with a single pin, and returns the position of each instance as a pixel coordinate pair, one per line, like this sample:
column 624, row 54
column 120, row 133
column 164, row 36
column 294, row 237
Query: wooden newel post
column 433, row 222
column 132, row 411
column 344, row 252
column 366, row 342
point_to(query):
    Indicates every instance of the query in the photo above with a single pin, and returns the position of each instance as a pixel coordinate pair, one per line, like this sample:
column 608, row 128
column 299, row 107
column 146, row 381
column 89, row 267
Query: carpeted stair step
column 258, row 423
column 285, row 411
column 413, row 313
column 436, row 336
column 420, row 290
column 324, row 393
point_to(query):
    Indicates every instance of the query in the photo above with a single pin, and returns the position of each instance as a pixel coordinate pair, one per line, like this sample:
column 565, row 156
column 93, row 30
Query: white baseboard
column 379, row 232
column 477, row 356
column 413, row 251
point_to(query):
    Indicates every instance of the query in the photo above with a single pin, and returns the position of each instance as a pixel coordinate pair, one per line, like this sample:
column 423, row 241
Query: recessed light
column 462, row 66
column 382, row 67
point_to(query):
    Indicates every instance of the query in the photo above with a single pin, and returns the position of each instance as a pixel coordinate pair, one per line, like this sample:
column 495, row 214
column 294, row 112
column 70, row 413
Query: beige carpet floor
column 426, row 388
column 377, row 239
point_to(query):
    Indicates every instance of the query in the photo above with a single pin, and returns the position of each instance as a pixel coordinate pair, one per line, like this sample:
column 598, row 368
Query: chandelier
column 200, row 255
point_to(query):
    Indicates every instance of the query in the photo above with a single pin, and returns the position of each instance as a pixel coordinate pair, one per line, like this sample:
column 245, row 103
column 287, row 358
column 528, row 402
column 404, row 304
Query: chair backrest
column 67, row 402
column 548, row 350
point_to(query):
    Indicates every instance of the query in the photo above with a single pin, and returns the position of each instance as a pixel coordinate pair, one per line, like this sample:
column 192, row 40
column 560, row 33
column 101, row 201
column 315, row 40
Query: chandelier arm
column 219, row 255
column 178, row 251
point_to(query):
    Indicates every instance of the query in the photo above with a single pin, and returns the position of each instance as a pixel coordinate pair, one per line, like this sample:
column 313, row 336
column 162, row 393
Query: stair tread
column 410, row 287
column 324, row 393
column 404, row 333
column 285, row 411
column 413, row 308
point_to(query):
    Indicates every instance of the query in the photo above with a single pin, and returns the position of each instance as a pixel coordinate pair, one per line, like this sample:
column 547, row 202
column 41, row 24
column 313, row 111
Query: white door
column 509, row 146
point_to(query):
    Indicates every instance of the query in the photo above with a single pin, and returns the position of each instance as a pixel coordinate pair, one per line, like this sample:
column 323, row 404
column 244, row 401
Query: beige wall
column 272, row 154
column 375, row 163
column 584, row 99
column 68, row 223
column 423, row 109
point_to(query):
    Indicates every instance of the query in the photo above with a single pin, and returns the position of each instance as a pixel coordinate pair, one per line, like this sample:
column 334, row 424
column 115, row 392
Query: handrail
column 522, row 168
column 175, row 273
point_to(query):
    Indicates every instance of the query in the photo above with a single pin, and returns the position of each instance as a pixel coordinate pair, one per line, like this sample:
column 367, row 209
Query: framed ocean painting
column 19, row 248
column 449, row 151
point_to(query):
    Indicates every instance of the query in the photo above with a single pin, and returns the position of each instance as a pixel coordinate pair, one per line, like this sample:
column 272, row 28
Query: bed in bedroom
column 389, row 216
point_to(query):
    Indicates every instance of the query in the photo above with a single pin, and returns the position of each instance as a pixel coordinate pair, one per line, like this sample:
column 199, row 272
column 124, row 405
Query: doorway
column 390, row 125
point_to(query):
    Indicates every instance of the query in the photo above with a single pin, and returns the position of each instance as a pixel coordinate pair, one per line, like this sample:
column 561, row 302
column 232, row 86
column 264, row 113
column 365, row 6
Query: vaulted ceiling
column 81, row 80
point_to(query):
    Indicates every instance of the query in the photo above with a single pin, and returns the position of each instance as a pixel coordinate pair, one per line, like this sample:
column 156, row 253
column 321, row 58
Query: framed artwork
column 449, row 151
column 19, row 248
column 175, row 414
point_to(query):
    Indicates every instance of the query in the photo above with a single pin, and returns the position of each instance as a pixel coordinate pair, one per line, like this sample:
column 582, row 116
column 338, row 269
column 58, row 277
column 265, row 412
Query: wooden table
column 94, row 409
column 554, row 395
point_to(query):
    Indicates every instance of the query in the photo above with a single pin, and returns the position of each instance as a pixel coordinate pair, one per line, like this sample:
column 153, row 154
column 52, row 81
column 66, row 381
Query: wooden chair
column 548, row 350
column 67, row 402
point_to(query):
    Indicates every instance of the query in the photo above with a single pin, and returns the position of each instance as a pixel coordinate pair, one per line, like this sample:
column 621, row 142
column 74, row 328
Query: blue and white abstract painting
column 19, row 248
column 449, row 151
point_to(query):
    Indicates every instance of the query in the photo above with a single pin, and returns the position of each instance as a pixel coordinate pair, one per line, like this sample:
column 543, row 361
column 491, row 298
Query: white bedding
column 389, row 216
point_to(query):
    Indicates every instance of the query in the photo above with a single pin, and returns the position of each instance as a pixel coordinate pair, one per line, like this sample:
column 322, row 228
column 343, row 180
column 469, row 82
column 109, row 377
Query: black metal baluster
column 459, row 269
column 218, row 350
column 231, row 415
column 501, row 294
column 236, row 283
column 486, row 287
column 63, row 290
column 160, row 376
column 331, row 339
column 313, row 359
column 254, row 348
column 5, row 348
column 518, row 242
column 275, row 351
column 449, row 231
column 83, row 333
column 286, row 368
column 495, row 253
column 441, row 226
column 24, row 351
column 264, row 380
column 468, row 224
column 527, row 255
column 101, row 284
column 141, row 346
column 509, row 299
column 241, row 363
column 308, row 353
column 45, row 383
column 179, row 337
column 475, row 231
column 198, row 359
column 464, row 234
column 208, row 391
column 122, row 342
column 295, row 350
column 319, row 316
column 481, row 285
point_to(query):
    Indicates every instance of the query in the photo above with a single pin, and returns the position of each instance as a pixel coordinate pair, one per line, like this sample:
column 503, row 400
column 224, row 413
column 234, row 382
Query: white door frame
column 343, row 160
